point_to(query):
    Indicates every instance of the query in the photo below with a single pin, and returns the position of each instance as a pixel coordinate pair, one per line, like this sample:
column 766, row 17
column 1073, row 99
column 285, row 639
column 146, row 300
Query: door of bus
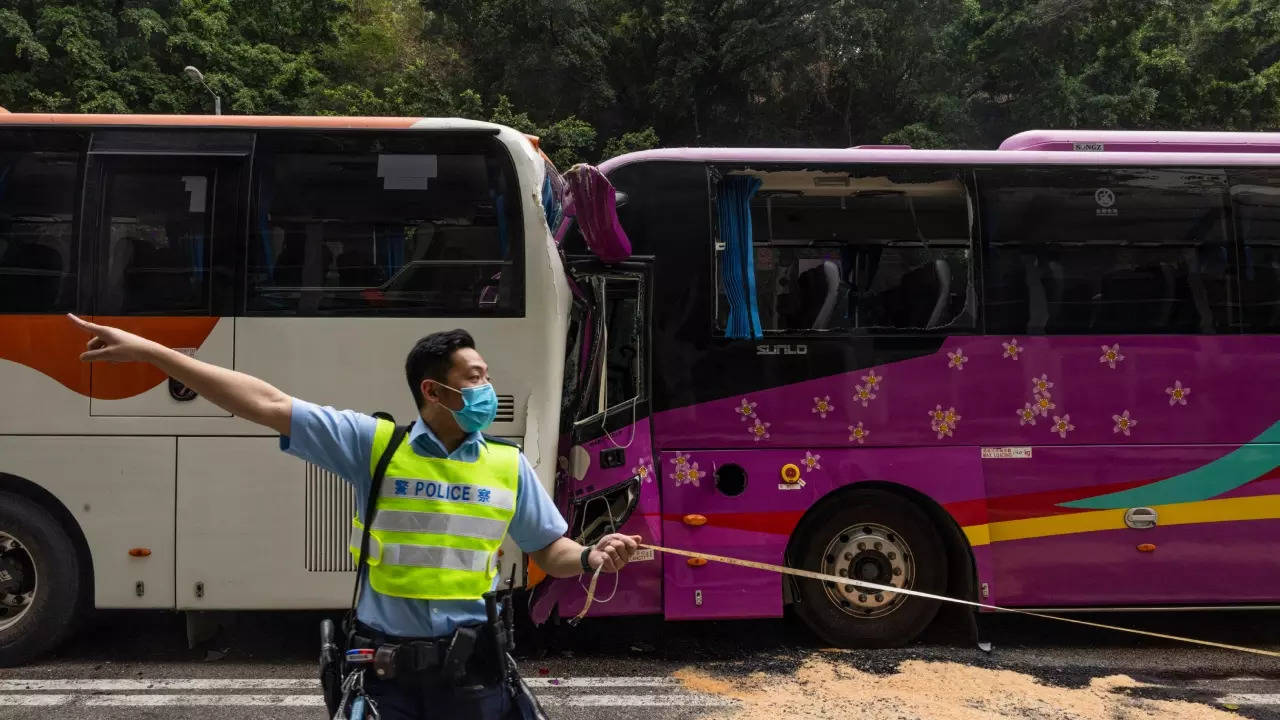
column 606, row 481
column 161, row 213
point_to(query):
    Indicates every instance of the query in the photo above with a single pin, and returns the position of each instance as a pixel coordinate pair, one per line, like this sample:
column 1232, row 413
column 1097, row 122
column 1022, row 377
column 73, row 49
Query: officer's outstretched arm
column 239, row 394
column 563, row 557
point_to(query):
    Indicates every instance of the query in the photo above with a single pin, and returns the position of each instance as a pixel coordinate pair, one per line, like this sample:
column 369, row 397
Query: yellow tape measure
column 916, row 593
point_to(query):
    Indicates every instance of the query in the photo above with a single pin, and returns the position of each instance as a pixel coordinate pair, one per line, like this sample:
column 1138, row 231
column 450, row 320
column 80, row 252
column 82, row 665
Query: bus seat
column 38, row 279
column 829, row 277
column 921, row 293
column 1007, row 296
column 356, row 266
column 944, row 293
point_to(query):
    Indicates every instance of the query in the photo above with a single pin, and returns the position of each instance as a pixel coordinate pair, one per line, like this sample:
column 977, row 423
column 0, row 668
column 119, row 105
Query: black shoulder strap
column 380, row 471
column 501, row 441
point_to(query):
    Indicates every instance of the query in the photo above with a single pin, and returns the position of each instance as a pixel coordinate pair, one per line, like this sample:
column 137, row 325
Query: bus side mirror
column 594, row 203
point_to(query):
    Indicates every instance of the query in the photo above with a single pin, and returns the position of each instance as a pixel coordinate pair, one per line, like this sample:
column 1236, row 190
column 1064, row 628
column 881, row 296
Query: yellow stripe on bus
column 1258, row 507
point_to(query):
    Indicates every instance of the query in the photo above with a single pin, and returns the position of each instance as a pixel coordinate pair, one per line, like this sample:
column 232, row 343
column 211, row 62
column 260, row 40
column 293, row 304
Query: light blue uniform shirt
column 341, row 441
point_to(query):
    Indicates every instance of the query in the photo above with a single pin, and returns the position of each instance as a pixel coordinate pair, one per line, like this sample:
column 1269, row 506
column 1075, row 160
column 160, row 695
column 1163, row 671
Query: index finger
column 84, row 324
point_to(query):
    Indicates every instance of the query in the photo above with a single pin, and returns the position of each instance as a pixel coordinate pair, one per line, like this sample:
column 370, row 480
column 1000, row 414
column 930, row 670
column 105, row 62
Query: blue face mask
column 479, row 407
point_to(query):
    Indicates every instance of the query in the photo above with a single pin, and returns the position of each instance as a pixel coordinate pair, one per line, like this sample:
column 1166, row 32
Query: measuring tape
column 916, row 593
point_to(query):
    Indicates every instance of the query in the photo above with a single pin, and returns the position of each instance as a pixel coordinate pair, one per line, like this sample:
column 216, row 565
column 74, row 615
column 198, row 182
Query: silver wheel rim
column 871, row 553
column 15, row 605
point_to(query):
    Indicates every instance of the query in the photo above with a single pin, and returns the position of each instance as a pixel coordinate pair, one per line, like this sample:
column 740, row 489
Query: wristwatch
column 586, row 566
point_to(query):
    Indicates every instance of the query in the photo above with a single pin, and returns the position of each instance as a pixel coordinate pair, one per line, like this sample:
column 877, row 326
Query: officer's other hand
column 613, row 551
column 111, row 344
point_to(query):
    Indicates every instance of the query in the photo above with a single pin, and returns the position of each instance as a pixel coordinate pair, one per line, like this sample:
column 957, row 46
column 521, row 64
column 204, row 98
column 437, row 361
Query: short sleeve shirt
column 341, row 441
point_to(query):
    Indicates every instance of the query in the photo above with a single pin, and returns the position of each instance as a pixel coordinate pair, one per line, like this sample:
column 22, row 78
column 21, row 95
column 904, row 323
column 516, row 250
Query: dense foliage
column 598, row 77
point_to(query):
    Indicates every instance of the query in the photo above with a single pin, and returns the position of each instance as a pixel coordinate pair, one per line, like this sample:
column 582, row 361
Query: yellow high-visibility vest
column 437, row 523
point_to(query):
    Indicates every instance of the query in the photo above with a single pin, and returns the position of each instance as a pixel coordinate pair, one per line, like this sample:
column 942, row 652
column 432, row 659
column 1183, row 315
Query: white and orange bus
column 311, row 252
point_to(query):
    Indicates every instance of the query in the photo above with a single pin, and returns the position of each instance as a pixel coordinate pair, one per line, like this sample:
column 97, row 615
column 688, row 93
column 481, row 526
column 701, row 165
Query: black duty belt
column 423, row 659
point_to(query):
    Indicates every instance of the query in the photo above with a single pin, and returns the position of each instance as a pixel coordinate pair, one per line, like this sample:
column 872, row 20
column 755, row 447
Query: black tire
column 848, row 623
column 54, row 608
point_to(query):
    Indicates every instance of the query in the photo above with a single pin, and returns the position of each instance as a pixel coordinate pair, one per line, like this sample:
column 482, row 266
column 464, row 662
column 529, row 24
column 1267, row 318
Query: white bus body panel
column 218, row 349
column 120, row 491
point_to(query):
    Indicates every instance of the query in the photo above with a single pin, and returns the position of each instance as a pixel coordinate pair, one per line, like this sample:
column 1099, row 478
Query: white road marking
column 621, row 681
column 202, row 700
column 129, row 684
column 1250, row 699
column 665, row 700
column 314, row 700
column 135, row 685
column 43, row 700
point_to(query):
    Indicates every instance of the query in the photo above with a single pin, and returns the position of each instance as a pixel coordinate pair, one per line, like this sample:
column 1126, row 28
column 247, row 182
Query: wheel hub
column 870, row 553
column 17, row 580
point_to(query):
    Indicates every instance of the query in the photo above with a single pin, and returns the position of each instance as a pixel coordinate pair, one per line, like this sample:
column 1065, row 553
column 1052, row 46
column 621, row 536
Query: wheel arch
column 42, row 497
column 962, row 576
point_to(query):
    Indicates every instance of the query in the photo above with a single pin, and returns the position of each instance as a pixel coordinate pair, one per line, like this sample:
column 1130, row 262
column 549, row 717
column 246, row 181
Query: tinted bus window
column 156, row 236
column 384, row 225
column 39, row 180
column 872, row 250
column 1106, row 251
column 1256, row 197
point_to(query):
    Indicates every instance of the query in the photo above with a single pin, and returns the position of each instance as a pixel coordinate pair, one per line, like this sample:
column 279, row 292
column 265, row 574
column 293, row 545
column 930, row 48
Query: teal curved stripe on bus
column 1258, row 457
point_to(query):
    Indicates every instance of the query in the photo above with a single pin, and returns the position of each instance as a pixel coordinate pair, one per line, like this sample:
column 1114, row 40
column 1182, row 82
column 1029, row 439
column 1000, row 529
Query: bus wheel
column 877, row 537
column 39, row 581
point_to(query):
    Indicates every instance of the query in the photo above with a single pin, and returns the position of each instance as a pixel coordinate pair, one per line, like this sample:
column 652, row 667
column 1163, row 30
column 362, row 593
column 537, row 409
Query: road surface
column 262, row 665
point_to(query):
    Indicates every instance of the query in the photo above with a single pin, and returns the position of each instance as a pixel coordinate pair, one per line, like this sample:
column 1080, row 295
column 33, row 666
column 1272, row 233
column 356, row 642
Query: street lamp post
column 193, row 73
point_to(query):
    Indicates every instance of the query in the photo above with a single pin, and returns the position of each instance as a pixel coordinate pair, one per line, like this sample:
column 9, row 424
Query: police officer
column 433, row 567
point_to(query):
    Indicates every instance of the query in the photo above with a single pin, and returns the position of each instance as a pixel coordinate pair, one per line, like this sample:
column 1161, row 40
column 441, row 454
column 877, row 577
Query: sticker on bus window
column 406, row 172
column 1006, row 453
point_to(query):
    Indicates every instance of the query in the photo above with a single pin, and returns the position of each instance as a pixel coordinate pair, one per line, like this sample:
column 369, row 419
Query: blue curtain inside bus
column 737, row 263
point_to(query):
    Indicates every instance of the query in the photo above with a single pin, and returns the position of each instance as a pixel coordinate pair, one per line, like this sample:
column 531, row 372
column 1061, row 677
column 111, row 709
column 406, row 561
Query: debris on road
column 825, row 686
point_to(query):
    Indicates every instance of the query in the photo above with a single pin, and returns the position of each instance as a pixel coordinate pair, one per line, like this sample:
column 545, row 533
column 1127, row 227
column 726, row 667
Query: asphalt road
column 262, row 665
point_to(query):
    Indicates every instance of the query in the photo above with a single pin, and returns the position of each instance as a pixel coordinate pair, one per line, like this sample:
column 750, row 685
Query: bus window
column 1106, row 251
column 156, row 236
column 875, row 250
column 406, row 225
column 39, row 178
column 1255, row 195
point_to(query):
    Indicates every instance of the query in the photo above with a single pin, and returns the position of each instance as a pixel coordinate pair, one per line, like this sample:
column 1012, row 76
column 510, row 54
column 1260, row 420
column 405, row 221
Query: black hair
column 431, row 358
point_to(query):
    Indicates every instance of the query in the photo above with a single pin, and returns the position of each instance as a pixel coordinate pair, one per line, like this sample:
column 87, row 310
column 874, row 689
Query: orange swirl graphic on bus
column 52, row 345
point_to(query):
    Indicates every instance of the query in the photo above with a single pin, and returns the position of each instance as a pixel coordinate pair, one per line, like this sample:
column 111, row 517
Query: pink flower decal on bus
column 822, row 406
column 1027, row 415
column 810, row 461
column 1111, row 355
column 746, row 409
column 686, row 473
column 1062, row 425
column 1044, row 403
column 956, row 359
column 943, row 422
column 1012, row 349
column 1041, row 385
column 1124, row 423
column 759, row 431
column 864, row 394
column 644, row 470
column 1177, row 394
column 858, row 434
column 872, row 379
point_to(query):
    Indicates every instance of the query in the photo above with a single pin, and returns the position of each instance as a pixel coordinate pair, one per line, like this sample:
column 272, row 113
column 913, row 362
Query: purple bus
column 1026, row 377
